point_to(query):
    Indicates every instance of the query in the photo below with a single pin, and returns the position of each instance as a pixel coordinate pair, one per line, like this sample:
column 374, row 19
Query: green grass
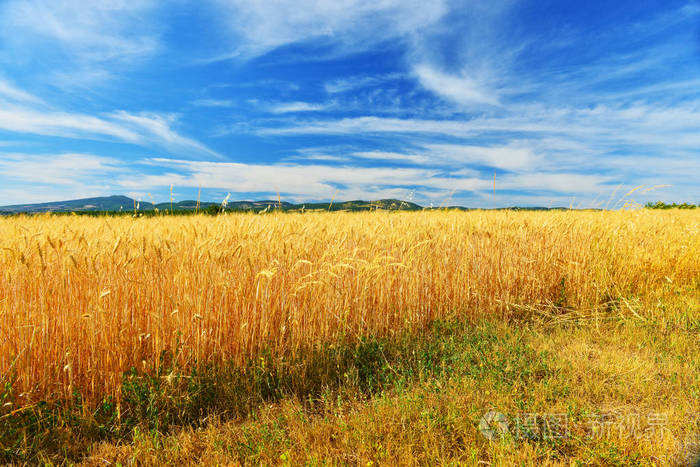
column 159, row 401
column 419, row 399
column 414, row 397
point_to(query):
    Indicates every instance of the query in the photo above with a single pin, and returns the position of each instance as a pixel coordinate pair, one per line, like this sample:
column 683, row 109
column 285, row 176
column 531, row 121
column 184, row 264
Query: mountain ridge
column 117, row 203
column 120, row 203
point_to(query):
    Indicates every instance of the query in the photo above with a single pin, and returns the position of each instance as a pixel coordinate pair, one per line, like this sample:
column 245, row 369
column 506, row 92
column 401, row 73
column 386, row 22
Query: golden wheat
column 84, row 299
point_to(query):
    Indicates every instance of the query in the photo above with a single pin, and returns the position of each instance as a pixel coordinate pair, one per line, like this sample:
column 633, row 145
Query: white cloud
column 418, row 159
column 463, row 90
column 143, row 129
column 356, row 82
column 316, row 181
column 212, row 103
column 157, row 129
column 37, row 178
column 571, row 183
column 317, row 157
column 79, row 175
column 513, row 158
column 57, row 169
column 294, row 107
column 96, row 31
column 70, row 125
column 77, row 45
column 8, row 91
column 308, row 181
column 559, row 149
column 502, row 157
column 47, row 193
column 640, row 124
column 350, row 24
column 369, row 125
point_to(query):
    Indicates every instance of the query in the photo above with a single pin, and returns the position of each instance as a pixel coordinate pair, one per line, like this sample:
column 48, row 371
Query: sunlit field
column 185, row 338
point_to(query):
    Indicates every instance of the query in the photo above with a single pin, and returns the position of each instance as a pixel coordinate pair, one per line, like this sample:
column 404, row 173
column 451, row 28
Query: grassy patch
column 626, row 392
column 153, row 403
column 413, row 398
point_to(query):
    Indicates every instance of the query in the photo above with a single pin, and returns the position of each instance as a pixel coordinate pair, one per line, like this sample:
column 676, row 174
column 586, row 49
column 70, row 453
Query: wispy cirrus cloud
column 212, row 103
column 352, row 83
column 10, row 92
column 317, row 181
column 448, row 157
column 312, row 181
column 296, row 107
column 147, row 129
column 513, row 158
column 158, row 129
column 637, row 124
column 349, row 25
column 461, row 89
column 80, row 46
column 58, row 169
column 86, row 31
column 25, row 113
column 29, row 178
column 63, row 124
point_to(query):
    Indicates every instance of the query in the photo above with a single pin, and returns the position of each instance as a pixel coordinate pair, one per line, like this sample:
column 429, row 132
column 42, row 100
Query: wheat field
column 82, row 300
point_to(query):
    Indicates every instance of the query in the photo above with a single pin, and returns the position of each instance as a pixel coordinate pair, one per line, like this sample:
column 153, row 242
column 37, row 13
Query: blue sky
column 566, row 102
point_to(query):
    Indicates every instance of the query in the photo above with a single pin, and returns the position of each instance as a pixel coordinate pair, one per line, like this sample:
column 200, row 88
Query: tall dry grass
column 84, row 299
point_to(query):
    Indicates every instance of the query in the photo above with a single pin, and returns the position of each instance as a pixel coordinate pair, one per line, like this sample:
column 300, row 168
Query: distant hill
column 124, row 203
column 360, row 205
column 106, row 203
